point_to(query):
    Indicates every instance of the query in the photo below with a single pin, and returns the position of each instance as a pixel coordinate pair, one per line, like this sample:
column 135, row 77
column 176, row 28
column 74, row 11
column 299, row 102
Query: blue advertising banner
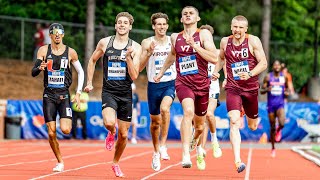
column 33, row 124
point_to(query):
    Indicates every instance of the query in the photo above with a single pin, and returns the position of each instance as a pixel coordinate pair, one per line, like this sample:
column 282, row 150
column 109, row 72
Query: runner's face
column 160, row 27
column 239, row 28
column 189, row 16
column 276, row 67
column 123, row 26
column 56, row 38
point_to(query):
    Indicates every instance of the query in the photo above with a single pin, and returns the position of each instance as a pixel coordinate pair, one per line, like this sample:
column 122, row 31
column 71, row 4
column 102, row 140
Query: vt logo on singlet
column 56, row 77
column 187, row 47
column 244, row 53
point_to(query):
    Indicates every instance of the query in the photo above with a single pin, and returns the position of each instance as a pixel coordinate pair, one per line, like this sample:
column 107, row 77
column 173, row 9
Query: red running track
column 89, row 160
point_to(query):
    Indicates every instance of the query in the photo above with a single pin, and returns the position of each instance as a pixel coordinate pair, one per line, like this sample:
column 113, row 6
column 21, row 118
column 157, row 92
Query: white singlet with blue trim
column 214, row 85
column 157, row 60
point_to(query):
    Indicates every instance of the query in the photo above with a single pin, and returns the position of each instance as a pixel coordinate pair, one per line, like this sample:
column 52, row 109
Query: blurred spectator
column 45, row 31
column 80, row 114
column 287, row 74
column 39, row 40
column 135, row 113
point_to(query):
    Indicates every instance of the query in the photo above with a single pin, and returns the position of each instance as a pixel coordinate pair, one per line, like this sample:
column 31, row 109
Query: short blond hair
column 240, row 18
column 208, row 27
column 127, row 15
column 190, row 7
column 158, row 15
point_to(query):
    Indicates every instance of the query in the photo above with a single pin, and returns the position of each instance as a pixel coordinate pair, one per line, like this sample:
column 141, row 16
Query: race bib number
column 69, row 112
column 197, row 44
column 64, row 64
column 188, row 65
column 117, row 70
column 158, row 64
column 244, row 52
column 123, row 55
column 210, row 69
column 276, row 90
column 239, row 67
column 56, row 79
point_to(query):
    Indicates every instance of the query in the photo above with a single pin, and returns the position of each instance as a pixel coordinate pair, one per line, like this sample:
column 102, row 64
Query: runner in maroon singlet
column 245, row 60
column 191, row 49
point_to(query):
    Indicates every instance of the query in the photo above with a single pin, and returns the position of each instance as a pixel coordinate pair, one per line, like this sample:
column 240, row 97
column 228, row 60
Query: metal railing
column 17, row 34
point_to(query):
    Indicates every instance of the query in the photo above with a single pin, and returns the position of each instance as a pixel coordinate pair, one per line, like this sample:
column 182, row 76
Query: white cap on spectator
column 133, row 86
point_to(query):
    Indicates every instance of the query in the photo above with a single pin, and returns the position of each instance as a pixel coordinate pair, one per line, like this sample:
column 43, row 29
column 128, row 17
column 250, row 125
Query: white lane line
column 300, row 151
column 54, row 159
column 33, row 152
column 247, row 176
column 90, row 165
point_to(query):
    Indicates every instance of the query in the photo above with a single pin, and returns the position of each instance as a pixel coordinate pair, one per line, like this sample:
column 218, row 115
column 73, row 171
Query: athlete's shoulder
column 146, row 42
column 43, row 50
column 253, row 38
column 224, row 40
column 135, row 44
column 105, row 40
column 205, row 32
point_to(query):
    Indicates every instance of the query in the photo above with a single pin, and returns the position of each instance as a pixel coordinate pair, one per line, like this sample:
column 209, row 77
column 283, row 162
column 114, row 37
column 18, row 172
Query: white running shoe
column 156, row 164
column 216, row 150
column 201, row 151
column 134, row 141
column 186, row 161
column 59, row 167
column 163, row 153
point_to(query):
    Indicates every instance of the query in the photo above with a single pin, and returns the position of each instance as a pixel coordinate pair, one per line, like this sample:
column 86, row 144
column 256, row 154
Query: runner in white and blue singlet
column 155, row 50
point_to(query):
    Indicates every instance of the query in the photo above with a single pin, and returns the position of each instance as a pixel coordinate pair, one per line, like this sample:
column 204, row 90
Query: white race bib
column 239, row 67
column 158, row 65
column 117, row 70
column 56, row 79
column 276, row 90
column 188, row 65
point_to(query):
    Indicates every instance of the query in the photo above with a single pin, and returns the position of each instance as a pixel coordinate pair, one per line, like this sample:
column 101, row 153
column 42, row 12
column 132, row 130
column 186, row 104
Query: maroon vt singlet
column 240, row 59
column 192, row 69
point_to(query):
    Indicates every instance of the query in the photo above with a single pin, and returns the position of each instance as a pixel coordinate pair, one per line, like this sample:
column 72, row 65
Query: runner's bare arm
column 145, row 55
column 209, row 50
column 133, row 60
column 221, row 59
column 40, row 64
column 264, row 88
column 259, row 54
column 98, row 52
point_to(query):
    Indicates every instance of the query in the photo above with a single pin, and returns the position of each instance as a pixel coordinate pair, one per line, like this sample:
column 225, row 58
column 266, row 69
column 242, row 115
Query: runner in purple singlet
column 276, row 85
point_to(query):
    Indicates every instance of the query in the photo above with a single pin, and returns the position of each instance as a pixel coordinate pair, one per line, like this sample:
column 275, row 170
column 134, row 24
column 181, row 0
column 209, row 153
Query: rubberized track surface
column 34, row 159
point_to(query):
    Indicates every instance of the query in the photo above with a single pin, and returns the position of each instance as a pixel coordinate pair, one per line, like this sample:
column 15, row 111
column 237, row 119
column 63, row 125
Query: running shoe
column 109, row 141
column 240, row 167
column 163, row 153
column 117, row 171
column 59, row 167
column 201, row 164
column 193, row 144
column 186, row 161
column 216, row 150
column 273, row 153
column 200, row 150
column 278, row 136
column 156, row 164
column 134, row 141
